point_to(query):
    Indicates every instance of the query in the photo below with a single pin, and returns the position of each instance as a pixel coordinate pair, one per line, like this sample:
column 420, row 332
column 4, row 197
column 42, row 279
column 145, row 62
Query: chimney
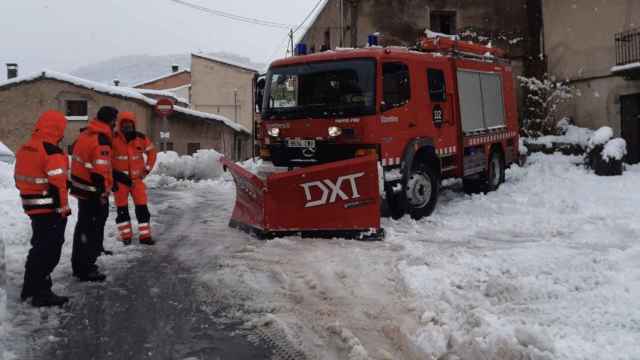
column 175, row 68
column 116, row 82
column 12, row 70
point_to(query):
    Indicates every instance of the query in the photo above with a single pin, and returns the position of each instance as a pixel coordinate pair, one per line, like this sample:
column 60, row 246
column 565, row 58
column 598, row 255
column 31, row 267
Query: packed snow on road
column 544, row 268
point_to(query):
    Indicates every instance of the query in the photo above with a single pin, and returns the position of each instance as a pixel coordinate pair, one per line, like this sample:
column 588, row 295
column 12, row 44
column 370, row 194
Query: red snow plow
column 340, row 199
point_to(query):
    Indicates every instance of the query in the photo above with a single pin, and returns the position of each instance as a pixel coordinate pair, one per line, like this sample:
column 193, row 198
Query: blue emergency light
column 373, row 40
column 301, row 49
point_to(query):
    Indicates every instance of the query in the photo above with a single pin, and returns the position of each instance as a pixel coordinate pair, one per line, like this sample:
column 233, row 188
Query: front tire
column 421, row 189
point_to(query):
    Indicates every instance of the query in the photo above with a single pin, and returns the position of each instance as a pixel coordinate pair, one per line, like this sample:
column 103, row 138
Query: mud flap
column 336, row 200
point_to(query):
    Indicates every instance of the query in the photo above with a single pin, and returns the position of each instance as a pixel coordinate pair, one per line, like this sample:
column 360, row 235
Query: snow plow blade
column 335, row 200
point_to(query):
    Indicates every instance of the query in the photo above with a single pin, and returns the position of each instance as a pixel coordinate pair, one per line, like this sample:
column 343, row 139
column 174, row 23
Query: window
column 443, row 22
column 327, row 40
column 322, row 89
column 437, row 85
column 76, row 110
column 166, row 147
column 192, row 148
column 396, row 84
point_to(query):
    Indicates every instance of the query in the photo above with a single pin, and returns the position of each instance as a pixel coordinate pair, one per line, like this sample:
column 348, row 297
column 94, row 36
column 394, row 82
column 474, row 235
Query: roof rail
column 464, row 49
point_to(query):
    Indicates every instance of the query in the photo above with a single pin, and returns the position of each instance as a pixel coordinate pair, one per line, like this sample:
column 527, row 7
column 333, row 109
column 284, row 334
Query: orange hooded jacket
column 42, row 166
column 91, row 169
column 128, row 155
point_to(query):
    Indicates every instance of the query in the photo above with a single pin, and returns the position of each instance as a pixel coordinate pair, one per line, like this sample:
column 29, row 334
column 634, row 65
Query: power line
column 309, row 15
column 231, row 16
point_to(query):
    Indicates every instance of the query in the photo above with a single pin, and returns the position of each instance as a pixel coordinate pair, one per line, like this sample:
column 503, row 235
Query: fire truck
column 358, row 127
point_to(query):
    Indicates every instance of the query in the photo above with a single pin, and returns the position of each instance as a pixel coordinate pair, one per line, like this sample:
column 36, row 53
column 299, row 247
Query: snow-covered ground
column 21, row 326
column 545, row 268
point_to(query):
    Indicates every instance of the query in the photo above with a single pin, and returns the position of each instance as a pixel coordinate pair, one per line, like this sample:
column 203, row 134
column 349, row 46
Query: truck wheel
column 421, row 191
column 490, row 181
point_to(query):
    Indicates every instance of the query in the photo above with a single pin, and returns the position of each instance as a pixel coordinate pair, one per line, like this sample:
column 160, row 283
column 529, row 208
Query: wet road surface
column 152, row 310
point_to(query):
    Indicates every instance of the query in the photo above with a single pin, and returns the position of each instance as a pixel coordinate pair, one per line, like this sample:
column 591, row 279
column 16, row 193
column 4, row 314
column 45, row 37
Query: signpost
column 164, row 108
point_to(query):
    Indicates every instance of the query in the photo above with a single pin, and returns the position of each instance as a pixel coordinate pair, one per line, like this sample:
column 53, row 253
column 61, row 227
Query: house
column 513, row 25
column 23, row 99
column 594, row 45
column 223, row 87
column 214, row 85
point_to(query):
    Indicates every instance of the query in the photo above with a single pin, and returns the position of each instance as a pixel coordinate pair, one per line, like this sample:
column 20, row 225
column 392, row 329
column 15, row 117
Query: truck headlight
column 274, row 131
column 334, row 131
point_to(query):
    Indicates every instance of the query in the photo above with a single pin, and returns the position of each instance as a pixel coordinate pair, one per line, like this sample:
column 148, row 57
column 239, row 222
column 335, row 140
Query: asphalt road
column 155, row 309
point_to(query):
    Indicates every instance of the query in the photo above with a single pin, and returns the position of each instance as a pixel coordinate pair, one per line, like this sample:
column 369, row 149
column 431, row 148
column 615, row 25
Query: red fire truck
column 446, row 109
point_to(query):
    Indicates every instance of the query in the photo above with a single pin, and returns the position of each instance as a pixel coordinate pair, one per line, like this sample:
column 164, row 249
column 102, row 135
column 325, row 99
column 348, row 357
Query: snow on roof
column 626, row 67
column 166, row 93
column 118, row 91
column 87, row 84
column 433, row 35
column 243, row 66
column 4, row 150
column 235, row 126
column 161, row 78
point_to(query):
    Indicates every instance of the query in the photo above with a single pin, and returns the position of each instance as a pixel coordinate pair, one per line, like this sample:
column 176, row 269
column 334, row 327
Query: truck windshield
column 322, row 89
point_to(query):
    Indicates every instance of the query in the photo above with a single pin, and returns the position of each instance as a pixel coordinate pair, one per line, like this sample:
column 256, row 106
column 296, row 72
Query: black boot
column 126, row 242
column 92, row 276
column 48, row 300
column 147, row 241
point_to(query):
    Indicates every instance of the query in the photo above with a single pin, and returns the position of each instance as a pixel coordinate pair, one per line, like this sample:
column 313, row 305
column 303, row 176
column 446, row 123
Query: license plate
column 299, row 143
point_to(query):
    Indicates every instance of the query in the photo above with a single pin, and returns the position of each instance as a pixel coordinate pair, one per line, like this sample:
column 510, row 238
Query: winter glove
column 122, row 178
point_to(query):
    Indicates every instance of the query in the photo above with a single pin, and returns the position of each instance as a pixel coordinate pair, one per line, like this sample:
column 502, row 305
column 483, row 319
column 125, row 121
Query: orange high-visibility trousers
column 138, row 192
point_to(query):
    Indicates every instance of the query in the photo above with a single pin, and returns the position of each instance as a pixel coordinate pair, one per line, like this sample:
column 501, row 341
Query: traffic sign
column 164, row 107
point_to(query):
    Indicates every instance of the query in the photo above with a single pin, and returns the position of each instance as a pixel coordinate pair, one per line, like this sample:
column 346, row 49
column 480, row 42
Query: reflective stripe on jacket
column 129, row 155
column 91, row 168
column 41, row 168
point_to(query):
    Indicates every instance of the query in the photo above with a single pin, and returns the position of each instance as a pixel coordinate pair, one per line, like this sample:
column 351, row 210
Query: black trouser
column 88, row 237
column 46, row 247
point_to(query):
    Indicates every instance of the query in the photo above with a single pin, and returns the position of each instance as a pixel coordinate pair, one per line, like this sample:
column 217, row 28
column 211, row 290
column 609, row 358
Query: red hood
column 126, row 116
column 50, row 126
column 99, row 127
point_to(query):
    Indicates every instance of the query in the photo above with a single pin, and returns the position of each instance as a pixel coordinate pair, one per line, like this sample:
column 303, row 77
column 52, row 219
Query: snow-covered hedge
column 615, row 149
column 203, row 165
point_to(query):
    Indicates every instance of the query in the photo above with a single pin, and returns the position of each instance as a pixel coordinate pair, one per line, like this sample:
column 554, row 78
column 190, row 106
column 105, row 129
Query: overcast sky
column 66, row 34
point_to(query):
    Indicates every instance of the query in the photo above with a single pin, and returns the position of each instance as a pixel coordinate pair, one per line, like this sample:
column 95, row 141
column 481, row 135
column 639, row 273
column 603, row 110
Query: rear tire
column 491, row 180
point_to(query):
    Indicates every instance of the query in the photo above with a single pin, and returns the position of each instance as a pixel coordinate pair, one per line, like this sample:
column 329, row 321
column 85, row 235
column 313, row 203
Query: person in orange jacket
column 91, row 183
column 130, row 148
column 41, row 176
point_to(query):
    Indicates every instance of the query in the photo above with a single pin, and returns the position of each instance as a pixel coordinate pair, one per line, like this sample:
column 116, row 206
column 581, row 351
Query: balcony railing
column 628, row 47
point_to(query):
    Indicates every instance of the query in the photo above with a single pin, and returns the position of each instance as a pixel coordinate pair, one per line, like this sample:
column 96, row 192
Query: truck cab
column 444, row 110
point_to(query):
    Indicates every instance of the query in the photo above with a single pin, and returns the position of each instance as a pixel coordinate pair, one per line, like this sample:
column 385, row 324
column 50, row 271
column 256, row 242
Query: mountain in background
column 134, row 69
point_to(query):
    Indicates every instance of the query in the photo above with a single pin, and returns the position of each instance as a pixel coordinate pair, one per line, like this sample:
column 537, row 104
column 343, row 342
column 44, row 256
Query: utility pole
column 291, row 44
column 341, row 10
column 235, row 105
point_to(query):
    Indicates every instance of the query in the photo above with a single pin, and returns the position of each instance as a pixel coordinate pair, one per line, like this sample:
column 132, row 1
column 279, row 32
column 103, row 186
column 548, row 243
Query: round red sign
column 164, row 107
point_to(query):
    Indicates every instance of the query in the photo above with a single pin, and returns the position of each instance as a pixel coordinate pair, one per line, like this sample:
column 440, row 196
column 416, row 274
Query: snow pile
column 600, row 137
column 615, row 149
column 544, row 268
column 203, row 165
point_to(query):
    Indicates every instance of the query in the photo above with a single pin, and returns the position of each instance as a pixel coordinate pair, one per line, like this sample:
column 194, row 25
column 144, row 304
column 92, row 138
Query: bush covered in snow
column 605, row 153
column 565, row 134
column 203, row 165
column 544, row 97
column 614, row 150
